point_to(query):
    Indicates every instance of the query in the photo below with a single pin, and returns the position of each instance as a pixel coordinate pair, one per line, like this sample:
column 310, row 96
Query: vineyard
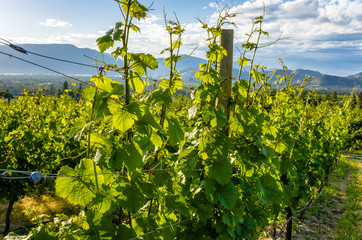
column 141, row 162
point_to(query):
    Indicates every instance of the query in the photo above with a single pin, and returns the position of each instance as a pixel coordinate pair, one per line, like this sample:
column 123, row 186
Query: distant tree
column 6, row 95
column 319, row 99
column 65, row 86
column 327, row 97
column 51, row 89
column 334, row 96
column 78, row 92
column 80, row 88
column 354, row 101
column 360, row 99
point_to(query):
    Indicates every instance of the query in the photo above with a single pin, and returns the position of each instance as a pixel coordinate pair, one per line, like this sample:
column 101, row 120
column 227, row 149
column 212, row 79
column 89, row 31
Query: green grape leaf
column 104, row 43
column 132, row 156
column 99, row 139
column 242, row 62
column 280, row 147
column 117, row 31
column 226, row 195
column 221, row 171
column 82, row 189
column 148, row 118
column 137, row 83
column 174, row 131
column 44, row 233
column 136, row 9
column 235, row 125
column 132, row 198
column 134, row 27
column 219, row 121
column 142, row 61
column 177, row 44
column 215, row 52
column 108, row 85
column 156, row 139
column 209, row 187
column 88, row 93
column 121, row 119
column 103, row 202
column 174, row 60
column 263, row 149
column 125, row 232
column 119, row 52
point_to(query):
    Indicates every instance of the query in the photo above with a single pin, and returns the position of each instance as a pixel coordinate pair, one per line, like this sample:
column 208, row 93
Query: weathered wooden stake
column 289, row 230
column 226, row 67
column 7, row 218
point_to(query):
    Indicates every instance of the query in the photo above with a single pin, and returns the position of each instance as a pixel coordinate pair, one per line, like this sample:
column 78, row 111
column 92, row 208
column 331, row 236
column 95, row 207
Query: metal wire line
column 36, row 176
column 62, row 60
column 22, row 50
column 49, row 69
column 52, row 70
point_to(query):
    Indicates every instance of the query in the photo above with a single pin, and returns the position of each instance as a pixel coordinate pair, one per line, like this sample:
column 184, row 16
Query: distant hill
column 62, row 51
column 187, row 67
column 323, row 81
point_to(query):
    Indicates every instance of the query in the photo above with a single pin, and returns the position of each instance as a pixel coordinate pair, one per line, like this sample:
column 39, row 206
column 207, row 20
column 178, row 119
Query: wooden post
column 226, row 67
column 7, row 218
column 289, row 230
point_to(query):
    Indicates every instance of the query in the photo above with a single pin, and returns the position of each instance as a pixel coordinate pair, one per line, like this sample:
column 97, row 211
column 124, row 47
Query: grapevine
column 266, row 159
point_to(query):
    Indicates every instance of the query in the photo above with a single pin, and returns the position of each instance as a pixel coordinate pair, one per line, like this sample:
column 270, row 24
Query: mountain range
column 187, row 67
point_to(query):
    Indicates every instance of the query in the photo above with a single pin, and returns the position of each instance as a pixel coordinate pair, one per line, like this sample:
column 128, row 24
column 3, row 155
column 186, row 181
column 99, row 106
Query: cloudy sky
column 322, row 35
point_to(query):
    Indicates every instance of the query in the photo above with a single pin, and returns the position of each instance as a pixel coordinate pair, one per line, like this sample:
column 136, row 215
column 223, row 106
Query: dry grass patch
column 26, row 208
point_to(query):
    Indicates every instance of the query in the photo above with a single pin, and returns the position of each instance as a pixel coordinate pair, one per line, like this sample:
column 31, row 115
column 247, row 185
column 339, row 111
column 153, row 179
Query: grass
column 337, row 212
column 350, row 225
column 29, row 206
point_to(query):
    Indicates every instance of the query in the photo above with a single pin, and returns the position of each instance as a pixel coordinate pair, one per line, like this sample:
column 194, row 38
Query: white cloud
column 151, row 19
column 305, row 21
column 154, row 38
column 301, row 9
column 50, row 22
column 213, row 5
column 312, row 25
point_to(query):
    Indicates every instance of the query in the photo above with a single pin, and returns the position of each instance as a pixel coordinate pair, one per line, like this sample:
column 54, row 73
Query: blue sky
column 325, row 35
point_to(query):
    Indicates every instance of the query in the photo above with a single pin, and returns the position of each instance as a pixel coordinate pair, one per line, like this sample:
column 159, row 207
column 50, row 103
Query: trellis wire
column 22, row 50
column 36, row 176
column 41, row 66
